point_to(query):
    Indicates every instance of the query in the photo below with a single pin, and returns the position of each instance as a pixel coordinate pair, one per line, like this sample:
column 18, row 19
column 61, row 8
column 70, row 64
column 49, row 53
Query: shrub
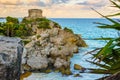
column 68, row 30
column 108, row 58
column 44, row 25
column 26, row 21
column 42, row 19
column 13, row 20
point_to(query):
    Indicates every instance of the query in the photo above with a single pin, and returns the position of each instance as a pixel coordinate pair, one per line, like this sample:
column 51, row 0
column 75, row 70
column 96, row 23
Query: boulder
column 11, row 50
column 78, row 67
column 61, row 62
column 37, row 62
column 77, row 75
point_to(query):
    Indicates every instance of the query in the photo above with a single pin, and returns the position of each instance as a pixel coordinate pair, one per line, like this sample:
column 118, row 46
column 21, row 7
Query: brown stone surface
column 53, row 47
column 34, row 13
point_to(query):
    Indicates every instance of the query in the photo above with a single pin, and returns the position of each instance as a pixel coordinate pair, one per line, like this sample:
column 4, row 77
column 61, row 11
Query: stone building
column 34, row 13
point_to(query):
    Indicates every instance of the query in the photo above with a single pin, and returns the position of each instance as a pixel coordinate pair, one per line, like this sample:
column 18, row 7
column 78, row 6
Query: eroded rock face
column 11, row 50
column 53, row 48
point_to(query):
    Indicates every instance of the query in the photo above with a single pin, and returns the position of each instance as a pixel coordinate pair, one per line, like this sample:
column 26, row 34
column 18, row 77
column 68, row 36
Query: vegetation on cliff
column 68, row 30
column 13, row 28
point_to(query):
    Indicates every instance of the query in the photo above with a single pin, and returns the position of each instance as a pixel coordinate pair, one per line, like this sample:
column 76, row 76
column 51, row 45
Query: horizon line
column 66, row 17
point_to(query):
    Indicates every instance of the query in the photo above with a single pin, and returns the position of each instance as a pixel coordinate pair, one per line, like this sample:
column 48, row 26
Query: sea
column 89, row 31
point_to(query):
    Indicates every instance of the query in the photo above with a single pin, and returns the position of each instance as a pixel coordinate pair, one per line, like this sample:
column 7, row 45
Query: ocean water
column 86, row 27
column 88, row 31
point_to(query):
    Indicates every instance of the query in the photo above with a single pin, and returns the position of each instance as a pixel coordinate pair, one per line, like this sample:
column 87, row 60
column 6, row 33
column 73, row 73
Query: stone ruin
column 34, row 13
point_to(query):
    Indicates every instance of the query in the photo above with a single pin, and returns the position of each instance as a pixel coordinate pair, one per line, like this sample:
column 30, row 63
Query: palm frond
column 117, row 14
column 111, row 20
column 115, row 4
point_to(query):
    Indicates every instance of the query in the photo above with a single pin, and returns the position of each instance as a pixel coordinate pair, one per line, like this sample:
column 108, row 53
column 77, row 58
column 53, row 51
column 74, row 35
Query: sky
column 56, row 8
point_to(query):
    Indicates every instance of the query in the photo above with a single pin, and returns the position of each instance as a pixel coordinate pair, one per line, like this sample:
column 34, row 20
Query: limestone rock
column 54, row 47
column 78, row 67
column 51, row 46
column 60, row 62
column 11, row 50
column 37, row 62
column 77, row 75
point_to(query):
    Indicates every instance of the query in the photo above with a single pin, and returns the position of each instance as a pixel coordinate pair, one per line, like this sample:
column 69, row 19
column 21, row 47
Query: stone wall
column 11, row 50
column 34, row 13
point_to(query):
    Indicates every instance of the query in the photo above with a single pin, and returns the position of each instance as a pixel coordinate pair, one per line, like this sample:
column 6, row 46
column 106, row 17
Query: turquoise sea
column 88, row 31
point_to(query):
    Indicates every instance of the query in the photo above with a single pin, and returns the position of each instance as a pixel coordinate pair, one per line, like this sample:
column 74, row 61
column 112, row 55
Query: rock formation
column 51, row 47
column 11, row 50
column 54, row 46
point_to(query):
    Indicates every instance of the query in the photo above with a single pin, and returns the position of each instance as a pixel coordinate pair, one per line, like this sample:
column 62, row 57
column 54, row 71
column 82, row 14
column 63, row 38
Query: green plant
column 57, row 25
column 26, row 21
column 44, row 25
column 108, row 58
column 13, row 28
column 42, row 19
column 68, row 30
column 11, row 19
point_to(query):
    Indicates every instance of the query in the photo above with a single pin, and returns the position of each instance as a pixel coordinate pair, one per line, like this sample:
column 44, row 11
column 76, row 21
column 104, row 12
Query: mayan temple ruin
column 34, row 13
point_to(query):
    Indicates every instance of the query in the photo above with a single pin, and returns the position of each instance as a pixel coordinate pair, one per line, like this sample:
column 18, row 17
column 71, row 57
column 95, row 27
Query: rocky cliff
column 47, row 48
column 11, row 50
column 51, row 47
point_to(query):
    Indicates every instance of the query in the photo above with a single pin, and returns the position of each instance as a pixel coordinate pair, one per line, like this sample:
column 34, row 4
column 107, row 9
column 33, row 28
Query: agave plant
column 108, row 58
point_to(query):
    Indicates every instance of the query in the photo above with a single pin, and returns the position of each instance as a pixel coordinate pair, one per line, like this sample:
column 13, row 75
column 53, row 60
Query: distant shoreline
column 2, row 17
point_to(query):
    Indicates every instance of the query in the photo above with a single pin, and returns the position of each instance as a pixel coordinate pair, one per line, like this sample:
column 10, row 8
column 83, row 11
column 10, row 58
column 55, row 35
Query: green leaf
column 99, row 71
column 100, row 65
column 103, row 38
column 117, row 14
column 111, row 20
column 116, row 65
column 106, row 49
column 114, row 26
column 108, row 58
column 115, row 4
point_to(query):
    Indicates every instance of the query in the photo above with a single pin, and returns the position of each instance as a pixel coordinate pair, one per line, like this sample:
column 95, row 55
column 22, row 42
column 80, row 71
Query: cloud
column 23, row 2
column 95, row 3
column 54, row 8
column 59, row 1
column 9, row 2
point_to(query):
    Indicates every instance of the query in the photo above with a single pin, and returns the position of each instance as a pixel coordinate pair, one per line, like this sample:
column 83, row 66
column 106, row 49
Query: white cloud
column 9, row 2
column 95, row 3
column 55, row 8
